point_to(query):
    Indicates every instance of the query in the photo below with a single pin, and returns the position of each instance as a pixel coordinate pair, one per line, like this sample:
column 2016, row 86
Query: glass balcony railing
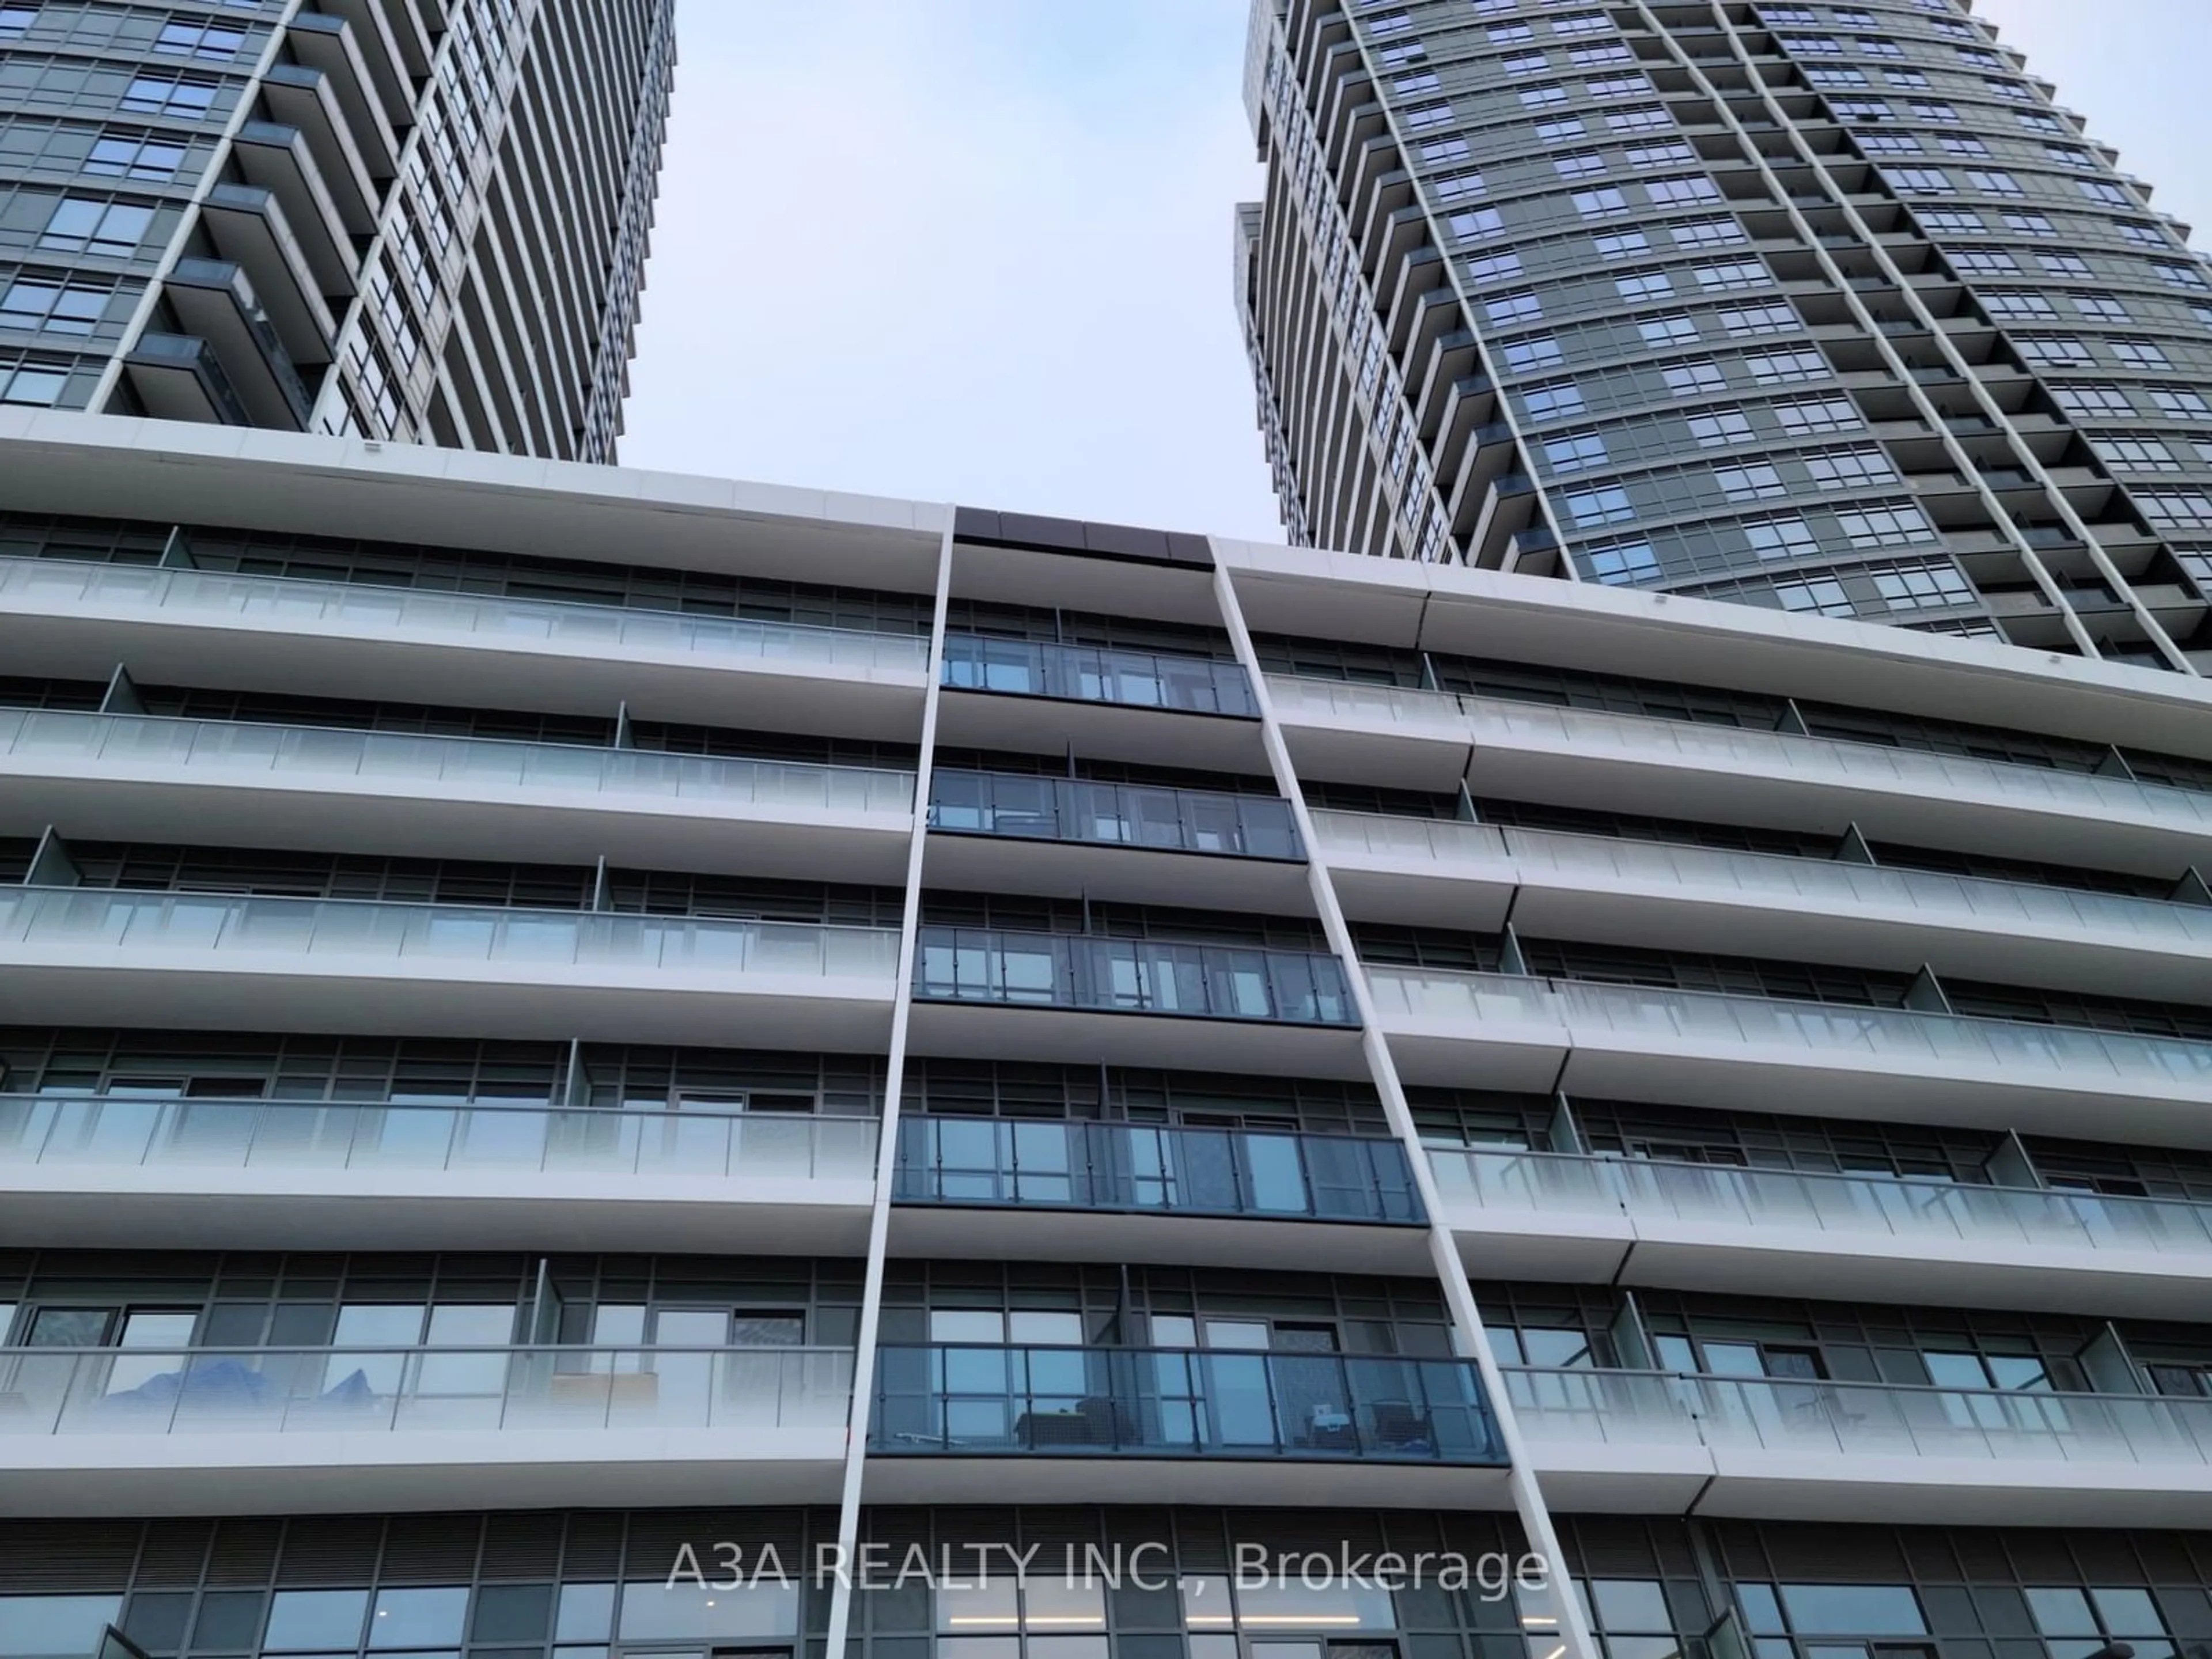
column 1119, row 815
column 1822, row 886
column 1153, row 1168
column 1824, row 760
column 1175, row 1402
column 1850, row 1206
column 1143, row 679
column 225, row 751
column 1857, row 1418
column 175, row 926
column 117, row 1391
column 114, row 1131
column 185, row 595
column 2016, row 1048
column 1131, row 975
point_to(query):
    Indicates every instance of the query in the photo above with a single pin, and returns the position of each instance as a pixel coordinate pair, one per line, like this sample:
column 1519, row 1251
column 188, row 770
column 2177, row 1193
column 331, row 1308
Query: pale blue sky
column 978, row 250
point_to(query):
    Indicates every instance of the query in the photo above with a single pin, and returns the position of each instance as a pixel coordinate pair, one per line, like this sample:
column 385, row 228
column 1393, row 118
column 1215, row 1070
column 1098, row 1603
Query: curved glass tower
column 1824, row 307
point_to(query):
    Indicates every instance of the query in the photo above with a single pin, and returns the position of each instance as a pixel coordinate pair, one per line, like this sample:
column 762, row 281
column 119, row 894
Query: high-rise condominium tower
column 1822, row 307
column 416, row 219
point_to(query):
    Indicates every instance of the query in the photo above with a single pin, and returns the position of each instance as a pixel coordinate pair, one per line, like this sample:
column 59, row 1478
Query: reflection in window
column 1030, row 1618
column 1854, row 1609
column 1211, row 1603
column 2077, row 1622
column 586, row 1613
column 418, row 1617
column 315, row 1618
column 653, row 1611
column 48, row 1627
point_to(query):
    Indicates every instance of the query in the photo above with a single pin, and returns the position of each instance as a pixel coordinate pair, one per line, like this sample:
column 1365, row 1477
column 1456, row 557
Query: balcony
column 1783, row 1232
column 329, row 44
column 1113, row 704
column 1153, row 1192
column 1632, row 892
column 1132, row 1001
column 131, row 1431
column 72, row 956
column 304, row 99
column 248, row 225
column 379, row 32
column 351, row 640
column 1646, row 1442
column 219, row 782
column 1074, row 1424
column 1627, row 1042
column 1047, row 835
column 178, row 377
column 274, row 157
column 115, row 1172
column 1402, row 737
column 214, row 301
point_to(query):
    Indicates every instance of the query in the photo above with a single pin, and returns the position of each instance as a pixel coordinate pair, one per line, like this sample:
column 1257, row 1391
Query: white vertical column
column 872, row 1282
column 1574, row 1641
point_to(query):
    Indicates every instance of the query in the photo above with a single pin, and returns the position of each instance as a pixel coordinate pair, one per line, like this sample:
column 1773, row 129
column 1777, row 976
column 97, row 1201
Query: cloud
column 975, row 249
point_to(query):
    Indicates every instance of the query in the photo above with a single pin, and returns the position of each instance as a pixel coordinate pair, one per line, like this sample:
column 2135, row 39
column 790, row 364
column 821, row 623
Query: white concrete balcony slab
column 1627, row 1042
column 113, row 1172
column 219, row 782
column 112, row 1432
column 1646, row 1442
column 1423, row 871
column 1639, row 1221
column 340, row 639
column 76, row 955
column 1432, row 740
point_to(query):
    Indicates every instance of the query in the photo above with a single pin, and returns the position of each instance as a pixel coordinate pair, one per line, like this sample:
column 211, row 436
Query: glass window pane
column 1058, row 1328
column 46, row 1625
column 315, row 1618
column 1761, row 1610
column 379, row 1326
column 418, row 1617
column 1956, row 1371
column 1630, row 1604
column 1062, row 1647
column 1335, row 1605
column 511, row 1612
column 1854, row 1609
column 967, row 1325
column 1062, row 1604
column 979, row 1647
column 1234, row 1334
column 586, row 1613
column 473, row 1326
column 653, row 1612
column 157, row 1618
column 2061, row 1610
column 2128, row 1613
column 1555, row 1348
column 989, row 1604
column 229, row 1621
